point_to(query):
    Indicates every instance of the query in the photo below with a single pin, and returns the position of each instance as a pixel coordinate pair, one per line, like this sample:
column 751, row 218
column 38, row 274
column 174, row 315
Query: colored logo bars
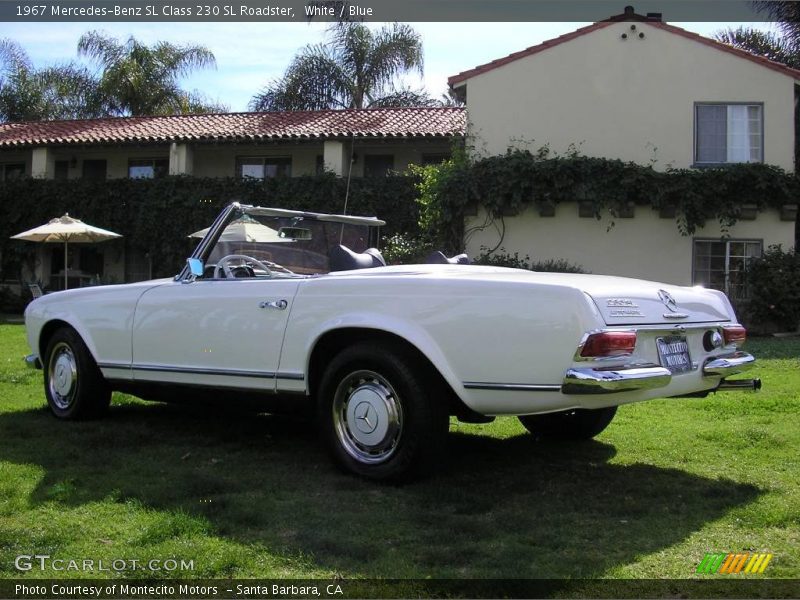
column 734, row 563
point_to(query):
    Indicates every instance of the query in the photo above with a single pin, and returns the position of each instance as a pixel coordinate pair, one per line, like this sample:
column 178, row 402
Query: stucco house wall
column 645, row 246
column 626, row 89
column 631, row 98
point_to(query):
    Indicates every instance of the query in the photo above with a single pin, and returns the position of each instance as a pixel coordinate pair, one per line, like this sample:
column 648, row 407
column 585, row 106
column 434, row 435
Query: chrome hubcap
column 62, row 375
column 367, row 416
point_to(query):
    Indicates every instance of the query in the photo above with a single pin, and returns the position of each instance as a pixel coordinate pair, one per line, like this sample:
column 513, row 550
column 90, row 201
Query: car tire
column 577, row 424
column 381, row 412
column 73, row 384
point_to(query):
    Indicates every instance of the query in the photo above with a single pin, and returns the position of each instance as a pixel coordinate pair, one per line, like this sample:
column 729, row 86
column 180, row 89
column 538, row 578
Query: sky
column 251, row 54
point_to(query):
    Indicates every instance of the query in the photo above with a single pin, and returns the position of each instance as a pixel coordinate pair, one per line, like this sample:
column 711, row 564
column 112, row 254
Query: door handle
column 279, row 304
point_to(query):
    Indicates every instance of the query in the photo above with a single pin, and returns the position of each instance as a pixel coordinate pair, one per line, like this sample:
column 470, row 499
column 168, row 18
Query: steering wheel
column 223, row 267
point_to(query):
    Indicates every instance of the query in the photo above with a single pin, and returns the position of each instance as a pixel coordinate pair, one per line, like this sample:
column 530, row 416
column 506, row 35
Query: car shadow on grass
column 502, row 508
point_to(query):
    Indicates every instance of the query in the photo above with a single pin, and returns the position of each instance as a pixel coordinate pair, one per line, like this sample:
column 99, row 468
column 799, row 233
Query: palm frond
column 785, row 14
column 762, row 43
column 404, row 97
column 355, row 68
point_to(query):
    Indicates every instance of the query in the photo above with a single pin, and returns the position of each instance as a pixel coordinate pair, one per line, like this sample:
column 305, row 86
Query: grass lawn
column 246, row 496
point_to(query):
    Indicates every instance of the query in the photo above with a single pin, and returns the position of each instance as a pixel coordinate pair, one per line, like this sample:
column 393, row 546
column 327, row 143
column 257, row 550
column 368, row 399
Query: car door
column 217, row 332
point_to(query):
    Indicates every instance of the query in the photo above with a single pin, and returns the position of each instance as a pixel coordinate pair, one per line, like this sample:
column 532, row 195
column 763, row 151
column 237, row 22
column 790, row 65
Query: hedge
column 156, row 215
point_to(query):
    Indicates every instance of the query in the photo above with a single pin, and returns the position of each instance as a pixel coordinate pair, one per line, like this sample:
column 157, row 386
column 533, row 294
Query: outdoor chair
column 36, row 290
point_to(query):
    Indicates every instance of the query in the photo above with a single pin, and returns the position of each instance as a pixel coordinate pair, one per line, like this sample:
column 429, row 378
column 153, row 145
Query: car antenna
column 347, row 189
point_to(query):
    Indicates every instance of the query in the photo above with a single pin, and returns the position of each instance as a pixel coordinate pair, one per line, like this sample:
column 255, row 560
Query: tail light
column 609, row 343
column 734, row 335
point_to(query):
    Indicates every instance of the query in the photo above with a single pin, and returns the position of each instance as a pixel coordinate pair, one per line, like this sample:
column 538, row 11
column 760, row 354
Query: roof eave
column 461, row 78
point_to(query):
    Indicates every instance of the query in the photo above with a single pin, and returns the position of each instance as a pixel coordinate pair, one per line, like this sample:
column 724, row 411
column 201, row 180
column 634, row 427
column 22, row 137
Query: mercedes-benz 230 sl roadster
column 286, row 310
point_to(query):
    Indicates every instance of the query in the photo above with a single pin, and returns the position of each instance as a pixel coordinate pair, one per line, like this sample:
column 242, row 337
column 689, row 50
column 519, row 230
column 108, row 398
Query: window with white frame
column 728, row 133
column 148, row 168
column 722, row 265
column 263, row 167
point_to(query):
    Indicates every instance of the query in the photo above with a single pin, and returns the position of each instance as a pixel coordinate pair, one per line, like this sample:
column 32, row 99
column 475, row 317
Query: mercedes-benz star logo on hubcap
column 367, row 418
column 668, row 300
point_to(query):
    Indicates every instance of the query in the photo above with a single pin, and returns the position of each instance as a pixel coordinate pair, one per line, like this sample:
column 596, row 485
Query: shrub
column 774, row 282
column 504, row 259
column 156, row 215
column 405, row 249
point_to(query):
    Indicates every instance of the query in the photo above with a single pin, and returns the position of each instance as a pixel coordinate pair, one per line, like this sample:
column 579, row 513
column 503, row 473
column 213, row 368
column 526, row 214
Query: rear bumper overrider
column 728, row 365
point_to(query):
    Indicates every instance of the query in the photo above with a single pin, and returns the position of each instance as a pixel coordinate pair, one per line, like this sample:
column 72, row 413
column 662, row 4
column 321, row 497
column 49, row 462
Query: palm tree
column 356, row 68
column 770, row 45
column 138, row 79
column 59, row 92
column 786, row 15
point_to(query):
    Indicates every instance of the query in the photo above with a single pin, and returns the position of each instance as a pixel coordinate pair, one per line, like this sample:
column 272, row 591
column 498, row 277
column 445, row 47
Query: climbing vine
column 510, row 183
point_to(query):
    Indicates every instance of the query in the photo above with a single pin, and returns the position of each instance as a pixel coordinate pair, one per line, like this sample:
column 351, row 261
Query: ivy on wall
column 156, row 215
column 510, row 183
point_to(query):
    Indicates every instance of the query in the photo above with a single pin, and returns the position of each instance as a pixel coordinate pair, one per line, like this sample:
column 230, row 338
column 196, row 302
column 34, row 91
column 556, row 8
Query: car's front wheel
column 73, row 384
column 576, row 424
column 381, row 416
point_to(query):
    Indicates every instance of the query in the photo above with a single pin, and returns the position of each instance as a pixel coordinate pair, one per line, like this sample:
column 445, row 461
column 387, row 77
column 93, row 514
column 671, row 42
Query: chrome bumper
column 33, row 362
column 725, row 366
column 609, row 381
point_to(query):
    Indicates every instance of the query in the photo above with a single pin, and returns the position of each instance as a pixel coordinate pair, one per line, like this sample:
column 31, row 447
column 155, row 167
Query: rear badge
column 625, row 312
column 668, row 300
column 621, row 303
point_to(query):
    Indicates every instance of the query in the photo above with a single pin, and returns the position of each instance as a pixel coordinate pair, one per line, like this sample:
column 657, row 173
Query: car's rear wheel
column 73, row 384
column 381, row 416
column 576, row 424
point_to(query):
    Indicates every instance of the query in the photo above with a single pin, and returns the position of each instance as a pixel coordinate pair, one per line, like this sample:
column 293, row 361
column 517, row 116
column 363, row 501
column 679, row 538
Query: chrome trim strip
column 675, row 316
column 113, row 365
column 204, row 371
column 291, row 376
column 207, row 371
column 32, row 361
column 611, row 380
column 517, row 387
column 728, row 365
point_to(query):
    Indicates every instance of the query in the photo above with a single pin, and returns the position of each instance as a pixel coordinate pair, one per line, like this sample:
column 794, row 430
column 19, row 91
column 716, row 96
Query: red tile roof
column 653, row 22
column 367, row 123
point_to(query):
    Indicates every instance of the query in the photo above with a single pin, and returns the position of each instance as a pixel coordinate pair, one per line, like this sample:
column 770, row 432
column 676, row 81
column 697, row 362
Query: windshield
column 286, row 245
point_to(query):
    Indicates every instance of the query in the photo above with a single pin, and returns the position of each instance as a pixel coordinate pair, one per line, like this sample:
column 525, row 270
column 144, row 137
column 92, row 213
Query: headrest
column 438, row 258
column 344, row 259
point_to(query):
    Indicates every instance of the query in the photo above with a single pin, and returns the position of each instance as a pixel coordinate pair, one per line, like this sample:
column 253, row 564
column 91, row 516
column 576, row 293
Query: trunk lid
column 650, row 303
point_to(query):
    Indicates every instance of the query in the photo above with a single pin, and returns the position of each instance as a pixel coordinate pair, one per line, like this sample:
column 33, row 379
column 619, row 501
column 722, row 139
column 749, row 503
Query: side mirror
column 195, row 267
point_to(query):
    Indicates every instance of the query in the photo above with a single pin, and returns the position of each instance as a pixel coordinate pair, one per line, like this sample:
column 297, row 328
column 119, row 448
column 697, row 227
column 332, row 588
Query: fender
column 406, row 330
column 102, row 316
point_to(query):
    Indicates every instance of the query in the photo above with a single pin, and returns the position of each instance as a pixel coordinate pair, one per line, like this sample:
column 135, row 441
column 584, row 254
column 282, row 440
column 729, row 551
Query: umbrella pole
column 66, row 285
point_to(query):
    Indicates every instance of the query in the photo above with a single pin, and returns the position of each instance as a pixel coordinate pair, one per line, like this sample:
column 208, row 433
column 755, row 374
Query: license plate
column 674, row 353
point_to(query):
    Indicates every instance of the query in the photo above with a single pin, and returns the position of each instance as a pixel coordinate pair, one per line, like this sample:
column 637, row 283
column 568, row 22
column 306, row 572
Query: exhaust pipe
column 750, row 385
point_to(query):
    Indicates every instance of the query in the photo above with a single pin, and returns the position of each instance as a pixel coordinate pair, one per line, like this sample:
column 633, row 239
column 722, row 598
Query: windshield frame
column 236, row 210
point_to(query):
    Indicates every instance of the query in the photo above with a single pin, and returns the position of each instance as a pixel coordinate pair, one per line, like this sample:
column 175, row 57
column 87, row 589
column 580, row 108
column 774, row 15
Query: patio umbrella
column 66, row 229
column 245, row 229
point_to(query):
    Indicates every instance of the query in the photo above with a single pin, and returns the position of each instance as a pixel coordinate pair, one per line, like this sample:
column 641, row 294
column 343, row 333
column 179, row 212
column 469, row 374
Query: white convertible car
column 282, row 310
